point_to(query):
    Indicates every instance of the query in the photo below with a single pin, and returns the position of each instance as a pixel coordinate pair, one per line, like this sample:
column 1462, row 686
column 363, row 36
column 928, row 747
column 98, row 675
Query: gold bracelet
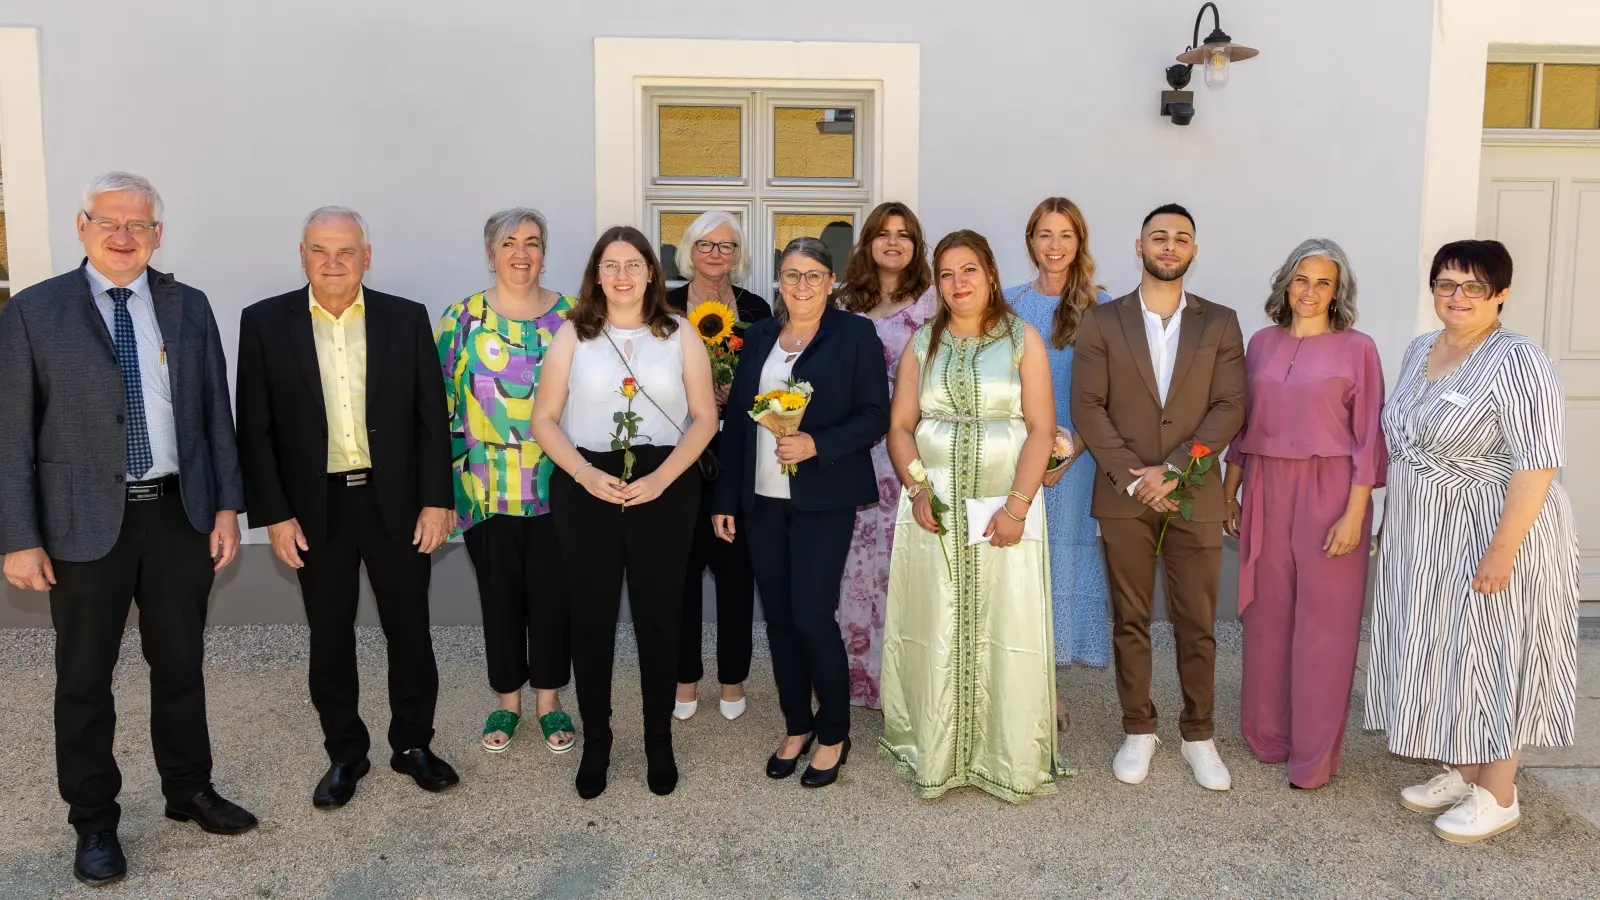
column 1020, row 497
column 1014, row 518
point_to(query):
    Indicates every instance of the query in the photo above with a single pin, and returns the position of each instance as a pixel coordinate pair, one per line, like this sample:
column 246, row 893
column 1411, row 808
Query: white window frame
column 22, row 150
column 632, row 73
column 1534, row 135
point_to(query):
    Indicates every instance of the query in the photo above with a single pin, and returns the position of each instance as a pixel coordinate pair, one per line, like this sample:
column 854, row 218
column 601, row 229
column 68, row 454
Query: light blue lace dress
column 1077, row 571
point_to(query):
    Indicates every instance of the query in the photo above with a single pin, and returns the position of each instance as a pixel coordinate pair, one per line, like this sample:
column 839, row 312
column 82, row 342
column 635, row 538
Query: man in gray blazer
column 119, row 480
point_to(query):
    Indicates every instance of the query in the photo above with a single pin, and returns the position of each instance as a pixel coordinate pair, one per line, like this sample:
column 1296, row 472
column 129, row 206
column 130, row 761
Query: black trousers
column 799, row 558
column 524, row 601
column 649, row 544
column 330, row 584
column 736, row 600
column 160, row 562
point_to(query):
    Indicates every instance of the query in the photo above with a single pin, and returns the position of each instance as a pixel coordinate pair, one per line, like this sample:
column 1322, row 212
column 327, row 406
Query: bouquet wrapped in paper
column 780, row 411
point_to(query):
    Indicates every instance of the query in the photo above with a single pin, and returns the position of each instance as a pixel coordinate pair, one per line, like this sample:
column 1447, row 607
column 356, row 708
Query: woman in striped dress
column 1474, row 634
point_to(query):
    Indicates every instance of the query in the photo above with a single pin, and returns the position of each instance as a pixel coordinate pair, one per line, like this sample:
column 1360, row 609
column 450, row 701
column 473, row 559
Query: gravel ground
column 515, row 828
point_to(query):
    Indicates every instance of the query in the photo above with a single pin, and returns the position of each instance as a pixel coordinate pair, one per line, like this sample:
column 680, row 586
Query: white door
column 1543, row 203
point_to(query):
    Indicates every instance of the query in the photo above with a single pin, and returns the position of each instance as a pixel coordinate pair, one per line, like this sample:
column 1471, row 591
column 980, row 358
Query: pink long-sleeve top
column 1315, row 396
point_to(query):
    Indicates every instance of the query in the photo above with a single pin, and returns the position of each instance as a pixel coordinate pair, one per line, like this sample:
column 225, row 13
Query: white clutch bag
column 982, row 509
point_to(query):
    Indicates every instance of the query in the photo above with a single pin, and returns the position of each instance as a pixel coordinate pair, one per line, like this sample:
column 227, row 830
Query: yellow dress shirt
column 342, row 362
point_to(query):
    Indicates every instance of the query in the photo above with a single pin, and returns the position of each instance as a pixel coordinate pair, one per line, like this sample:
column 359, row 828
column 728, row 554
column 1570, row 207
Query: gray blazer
column 63, row 445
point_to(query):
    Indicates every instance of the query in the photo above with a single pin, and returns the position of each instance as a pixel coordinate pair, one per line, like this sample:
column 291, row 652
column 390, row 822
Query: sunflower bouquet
column 780, row 411
column 716, row 324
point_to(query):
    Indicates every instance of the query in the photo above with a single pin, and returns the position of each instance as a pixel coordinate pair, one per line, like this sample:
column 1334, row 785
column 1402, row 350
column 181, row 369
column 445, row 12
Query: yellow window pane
column 673, row 225
column 1508, row 97
column 807, row 145
column 5, row 253
column 5, row 294
column 837, row 230
column 699, row 141
column 1571, row 97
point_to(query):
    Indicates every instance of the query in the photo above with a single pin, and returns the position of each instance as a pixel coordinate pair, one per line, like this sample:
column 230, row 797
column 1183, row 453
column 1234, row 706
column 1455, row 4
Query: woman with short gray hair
column 491, row 347
column 1308, row 458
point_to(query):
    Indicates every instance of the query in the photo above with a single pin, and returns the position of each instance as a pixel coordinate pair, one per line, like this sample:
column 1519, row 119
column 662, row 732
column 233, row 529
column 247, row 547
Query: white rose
column 916, row 471
column 775, row 405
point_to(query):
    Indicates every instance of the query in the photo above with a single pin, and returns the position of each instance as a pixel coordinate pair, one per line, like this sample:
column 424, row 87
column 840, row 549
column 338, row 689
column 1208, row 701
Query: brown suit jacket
column 1116, row 404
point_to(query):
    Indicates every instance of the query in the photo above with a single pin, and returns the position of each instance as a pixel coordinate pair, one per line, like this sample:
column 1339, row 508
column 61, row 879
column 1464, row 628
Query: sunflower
column 712, row 320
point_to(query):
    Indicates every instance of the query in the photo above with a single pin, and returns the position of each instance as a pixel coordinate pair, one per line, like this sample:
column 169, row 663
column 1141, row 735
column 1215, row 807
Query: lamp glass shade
column 1216, row 64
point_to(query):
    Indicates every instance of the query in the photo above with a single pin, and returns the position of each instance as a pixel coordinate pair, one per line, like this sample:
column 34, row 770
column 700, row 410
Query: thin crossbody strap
column 709, row 465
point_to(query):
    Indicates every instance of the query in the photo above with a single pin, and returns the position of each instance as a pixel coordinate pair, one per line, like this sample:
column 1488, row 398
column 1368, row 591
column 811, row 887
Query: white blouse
column 594, row 388
column 770, row 480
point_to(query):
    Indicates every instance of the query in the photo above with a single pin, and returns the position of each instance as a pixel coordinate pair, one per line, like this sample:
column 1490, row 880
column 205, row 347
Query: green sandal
column 503, row 720
column 553, row 723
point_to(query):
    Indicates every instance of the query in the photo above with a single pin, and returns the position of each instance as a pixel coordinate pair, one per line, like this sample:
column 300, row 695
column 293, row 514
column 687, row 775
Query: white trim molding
column 22, row 146
column 625, row 67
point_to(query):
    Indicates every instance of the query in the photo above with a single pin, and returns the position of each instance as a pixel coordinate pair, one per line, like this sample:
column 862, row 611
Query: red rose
column 735, row 342
column 1199, row 450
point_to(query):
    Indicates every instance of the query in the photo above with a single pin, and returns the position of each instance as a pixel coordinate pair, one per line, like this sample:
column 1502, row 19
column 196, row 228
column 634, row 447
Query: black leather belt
column 154, row 489
column 353, row 478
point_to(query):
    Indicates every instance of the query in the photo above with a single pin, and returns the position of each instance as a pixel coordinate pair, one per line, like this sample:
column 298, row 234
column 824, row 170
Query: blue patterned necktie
column 139, row 457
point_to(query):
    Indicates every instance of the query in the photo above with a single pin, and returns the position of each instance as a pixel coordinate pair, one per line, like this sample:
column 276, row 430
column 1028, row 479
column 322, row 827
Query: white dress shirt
column 153, row 384
column 1163, row 343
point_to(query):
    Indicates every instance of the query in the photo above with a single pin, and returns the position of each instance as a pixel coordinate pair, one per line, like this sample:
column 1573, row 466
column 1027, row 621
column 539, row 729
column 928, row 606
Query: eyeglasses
column 134, row 229
column 813, row 278
column 726, row 248
column 611, row 268
column 1472, row 290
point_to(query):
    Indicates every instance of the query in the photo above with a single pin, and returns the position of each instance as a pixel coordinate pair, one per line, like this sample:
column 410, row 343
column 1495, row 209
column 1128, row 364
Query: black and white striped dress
column 1455, row 675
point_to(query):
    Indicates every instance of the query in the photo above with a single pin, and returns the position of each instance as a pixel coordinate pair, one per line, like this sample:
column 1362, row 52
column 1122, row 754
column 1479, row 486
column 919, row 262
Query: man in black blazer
column 119, row 479
column 345, row 444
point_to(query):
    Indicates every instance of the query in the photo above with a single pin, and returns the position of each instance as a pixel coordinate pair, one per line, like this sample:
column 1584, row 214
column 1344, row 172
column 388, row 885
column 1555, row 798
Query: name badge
column 1458, row 399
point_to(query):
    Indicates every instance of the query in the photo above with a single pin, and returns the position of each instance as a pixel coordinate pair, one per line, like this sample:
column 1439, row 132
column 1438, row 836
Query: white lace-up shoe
column 1437, row 794
column 1207, row 765
column 682, row 711
column 1132, row 764
column 1477, row 817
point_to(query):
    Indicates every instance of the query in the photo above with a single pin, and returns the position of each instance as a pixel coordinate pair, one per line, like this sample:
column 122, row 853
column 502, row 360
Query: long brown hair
column 998, row 309
column 859, row 293
column 588, row 316
column 1080, row 292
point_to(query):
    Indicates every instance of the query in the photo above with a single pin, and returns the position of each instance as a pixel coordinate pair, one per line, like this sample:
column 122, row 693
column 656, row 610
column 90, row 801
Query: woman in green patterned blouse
column 490, row 348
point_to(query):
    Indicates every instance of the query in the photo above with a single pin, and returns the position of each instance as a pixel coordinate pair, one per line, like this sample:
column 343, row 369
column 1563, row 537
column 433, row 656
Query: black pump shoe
column 814, row 777
column 778, row 767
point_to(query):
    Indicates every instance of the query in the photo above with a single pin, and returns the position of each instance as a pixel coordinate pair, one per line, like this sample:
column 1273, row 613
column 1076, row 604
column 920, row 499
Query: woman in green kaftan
column 968, row 686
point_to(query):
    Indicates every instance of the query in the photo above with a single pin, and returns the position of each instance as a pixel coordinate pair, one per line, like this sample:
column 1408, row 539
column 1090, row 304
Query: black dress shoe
column 591, row 781
column 778, row 767
column 99, row 860
column 815, row 777
column 429, row 772
column 661, row 771
column 212, row 813
column 339, row 784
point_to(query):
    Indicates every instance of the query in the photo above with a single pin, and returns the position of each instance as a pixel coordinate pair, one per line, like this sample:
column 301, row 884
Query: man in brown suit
column 1154, row 373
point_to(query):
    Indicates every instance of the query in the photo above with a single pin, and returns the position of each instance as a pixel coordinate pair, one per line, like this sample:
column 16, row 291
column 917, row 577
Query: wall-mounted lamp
column 1215, row 54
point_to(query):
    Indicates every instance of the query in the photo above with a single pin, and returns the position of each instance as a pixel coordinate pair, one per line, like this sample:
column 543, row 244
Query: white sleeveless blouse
column 594, row 388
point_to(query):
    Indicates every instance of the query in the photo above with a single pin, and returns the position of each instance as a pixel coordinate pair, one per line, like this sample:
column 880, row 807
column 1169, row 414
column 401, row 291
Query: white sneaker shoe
column 682, row 710
column 1207, row 765
column 732, row 709
column 1478, row 816
column 1437, row 794
column 1132, row 764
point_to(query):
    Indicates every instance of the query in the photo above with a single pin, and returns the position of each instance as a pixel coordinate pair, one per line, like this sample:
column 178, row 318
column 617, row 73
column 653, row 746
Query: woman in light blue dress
column 1058, row 244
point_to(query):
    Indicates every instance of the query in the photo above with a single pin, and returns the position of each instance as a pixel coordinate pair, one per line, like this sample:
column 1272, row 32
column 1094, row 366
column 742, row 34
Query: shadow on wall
column 259, row 590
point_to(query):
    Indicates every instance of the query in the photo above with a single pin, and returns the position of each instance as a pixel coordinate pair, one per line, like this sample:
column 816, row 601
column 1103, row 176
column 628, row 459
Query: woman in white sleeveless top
column 621, row 328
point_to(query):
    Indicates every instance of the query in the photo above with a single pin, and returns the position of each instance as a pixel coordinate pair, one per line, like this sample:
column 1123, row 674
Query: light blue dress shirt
column 152, row 368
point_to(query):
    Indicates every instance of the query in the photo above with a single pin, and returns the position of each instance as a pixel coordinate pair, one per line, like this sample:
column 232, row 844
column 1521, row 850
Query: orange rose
column 1199, row 450
column 629, row 388
column 735, row 342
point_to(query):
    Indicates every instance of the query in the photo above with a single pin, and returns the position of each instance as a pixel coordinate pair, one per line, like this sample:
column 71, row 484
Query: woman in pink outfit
column 1310, row 454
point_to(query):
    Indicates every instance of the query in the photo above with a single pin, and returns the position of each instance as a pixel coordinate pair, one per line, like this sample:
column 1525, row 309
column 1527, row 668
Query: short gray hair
column 337, row 212
column 703, row 225
column 504, row 223
column 113, row 182
column 1342, row 312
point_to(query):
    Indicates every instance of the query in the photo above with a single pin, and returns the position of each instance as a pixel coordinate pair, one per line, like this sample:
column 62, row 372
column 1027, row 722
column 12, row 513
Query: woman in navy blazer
column 799, row 526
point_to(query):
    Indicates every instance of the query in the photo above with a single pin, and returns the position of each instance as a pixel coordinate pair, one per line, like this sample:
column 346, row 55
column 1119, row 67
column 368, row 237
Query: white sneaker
column 1478, row 816
column 1207, row 765
column 1437, row 794
column 682, row 710
column 1132, row 764
column 732, row 709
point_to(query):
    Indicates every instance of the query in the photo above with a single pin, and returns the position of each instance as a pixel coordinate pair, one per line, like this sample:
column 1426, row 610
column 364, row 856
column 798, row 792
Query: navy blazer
column 63, row 438
column 848, row 413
